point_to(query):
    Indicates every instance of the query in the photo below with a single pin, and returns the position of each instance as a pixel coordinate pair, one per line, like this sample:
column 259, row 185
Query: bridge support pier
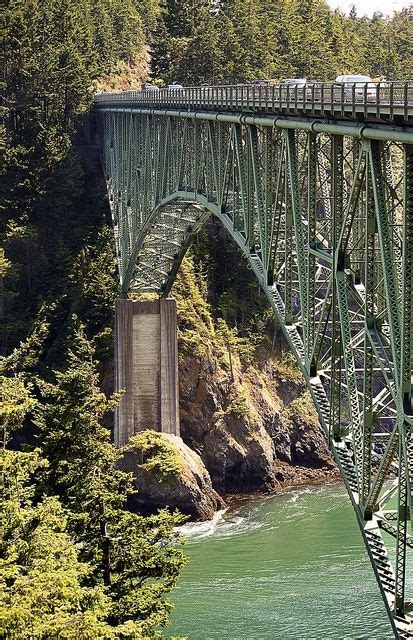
column 146, row 367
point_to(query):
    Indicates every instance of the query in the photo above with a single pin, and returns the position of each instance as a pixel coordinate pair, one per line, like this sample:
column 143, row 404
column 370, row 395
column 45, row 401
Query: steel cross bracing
column 323, row 212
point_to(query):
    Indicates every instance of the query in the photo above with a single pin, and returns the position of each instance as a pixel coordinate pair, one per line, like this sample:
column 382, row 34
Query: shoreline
column 233, row 500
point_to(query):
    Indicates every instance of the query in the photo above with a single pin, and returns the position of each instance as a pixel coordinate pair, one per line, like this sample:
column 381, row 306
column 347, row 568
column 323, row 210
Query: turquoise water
column 284, row 567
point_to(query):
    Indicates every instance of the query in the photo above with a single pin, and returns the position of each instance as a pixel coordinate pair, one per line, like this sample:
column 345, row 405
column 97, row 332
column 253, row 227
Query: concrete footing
column 146, row 367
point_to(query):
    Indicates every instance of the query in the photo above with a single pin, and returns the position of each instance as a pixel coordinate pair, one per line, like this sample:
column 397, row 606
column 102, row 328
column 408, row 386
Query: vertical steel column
column 292, row 164
column 288, row 245
column 387, row 254
column 269, row 203
column 369, row 312
column 214, row 164
column 311, row 211
column 244, row 177
column 358, row 230
column 196, row 156
column 401, row 536
column 337, row 266
column 407, row 324
column 259, row 196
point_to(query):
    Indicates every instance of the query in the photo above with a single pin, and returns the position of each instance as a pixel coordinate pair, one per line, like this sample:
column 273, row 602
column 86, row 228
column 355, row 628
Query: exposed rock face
column 256, row 432
column 244, row 409
column 190, row 490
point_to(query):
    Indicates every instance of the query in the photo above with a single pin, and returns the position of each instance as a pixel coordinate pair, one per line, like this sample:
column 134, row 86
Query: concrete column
column 169, row 367
column 123, row 371
column 146, row 366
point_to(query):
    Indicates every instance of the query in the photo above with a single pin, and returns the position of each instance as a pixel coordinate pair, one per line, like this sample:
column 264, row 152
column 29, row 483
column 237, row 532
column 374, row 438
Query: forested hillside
column 75, row 563
column 232, row 41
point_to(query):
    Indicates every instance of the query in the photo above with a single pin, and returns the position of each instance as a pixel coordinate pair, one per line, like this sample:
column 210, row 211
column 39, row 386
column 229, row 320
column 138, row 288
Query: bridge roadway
column 316, row 189
column 392, row 102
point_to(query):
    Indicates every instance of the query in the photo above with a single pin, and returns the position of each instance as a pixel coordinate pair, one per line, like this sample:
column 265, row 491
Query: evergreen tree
column 43, row 590
column 136, row 558
column 184, row 45
column 400, row 44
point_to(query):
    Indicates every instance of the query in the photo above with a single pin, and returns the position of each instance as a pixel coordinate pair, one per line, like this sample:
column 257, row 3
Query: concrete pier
column 146, row 367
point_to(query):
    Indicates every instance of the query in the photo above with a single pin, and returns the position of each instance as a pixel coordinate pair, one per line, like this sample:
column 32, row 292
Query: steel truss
column 325, row 219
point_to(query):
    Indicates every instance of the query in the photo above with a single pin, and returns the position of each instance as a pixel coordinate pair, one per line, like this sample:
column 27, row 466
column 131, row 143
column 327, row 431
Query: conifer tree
column 184, row 46
column 43, row 590
column 136, row 558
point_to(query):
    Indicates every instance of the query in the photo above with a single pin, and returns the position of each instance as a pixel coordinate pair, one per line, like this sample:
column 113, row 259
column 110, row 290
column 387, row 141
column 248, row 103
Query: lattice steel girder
column 407, row 321
column 323, row 212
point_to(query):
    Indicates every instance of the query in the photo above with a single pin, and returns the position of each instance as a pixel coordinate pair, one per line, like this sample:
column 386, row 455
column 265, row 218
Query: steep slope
column 243, row 403
column 247, row 421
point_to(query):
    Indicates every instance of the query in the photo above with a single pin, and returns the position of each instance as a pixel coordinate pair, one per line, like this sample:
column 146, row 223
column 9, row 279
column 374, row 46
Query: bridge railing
column 373, row 99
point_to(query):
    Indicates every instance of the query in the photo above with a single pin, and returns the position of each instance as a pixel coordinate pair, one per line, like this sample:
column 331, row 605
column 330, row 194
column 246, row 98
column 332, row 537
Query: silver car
column 355, row 88
column 297, row 87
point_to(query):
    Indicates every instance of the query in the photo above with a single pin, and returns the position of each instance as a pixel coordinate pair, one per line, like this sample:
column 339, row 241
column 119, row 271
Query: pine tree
column 43, row 591
column 400, row 43
column 184, row 45
column 136, row 558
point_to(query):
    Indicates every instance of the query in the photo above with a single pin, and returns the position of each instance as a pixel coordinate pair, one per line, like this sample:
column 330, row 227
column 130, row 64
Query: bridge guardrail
column 387, row 99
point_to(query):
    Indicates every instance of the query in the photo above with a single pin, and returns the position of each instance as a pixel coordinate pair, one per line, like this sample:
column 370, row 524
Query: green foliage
column 54, row 51
column 198, row 330
column 137, row 559
column 25, row 358
column 240, row 41
column 303, row 409
column 232, row 293
column 43, row 585
column 286, row 367
column 54, row 54
column 238, row 406
column 231, row 344
column 195, row 321
column 43, row 590
column 156, row 454
column 93, row 288
column 15, row 402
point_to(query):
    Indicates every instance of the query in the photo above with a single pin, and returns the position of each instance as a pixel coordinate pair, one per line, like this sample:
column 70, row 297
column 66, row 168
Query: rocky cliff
column 247, row 421
column 255, row 431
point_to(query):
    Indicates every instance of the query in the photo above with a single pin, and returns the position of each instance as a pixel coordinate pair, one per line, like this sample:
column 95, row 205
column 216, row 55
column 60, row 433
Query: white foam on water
column 198, row 530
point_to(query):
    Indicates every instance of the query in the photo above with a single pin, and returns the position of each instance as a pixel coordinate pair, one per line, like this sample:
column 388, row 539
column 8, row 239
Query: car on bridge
column 300, row 87
column 260, row 83
column 354, row 88
column 294, row 82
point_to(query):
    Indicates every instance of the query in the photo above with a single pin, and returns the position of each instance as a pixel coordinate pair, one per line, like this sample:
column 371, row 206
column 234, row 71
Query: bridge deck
column 390, row 103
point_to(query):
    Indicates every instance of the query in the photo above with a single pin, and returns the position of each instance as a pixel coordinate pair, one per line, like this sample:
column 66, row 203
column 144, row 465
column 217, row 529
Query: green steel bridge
column 316, row 188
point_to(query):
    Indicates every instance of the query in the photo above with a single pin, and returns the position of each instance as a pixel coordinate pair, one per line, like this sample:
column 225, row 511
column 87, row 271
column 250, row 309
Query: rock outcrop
column 185, row 485
column 257, row 431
